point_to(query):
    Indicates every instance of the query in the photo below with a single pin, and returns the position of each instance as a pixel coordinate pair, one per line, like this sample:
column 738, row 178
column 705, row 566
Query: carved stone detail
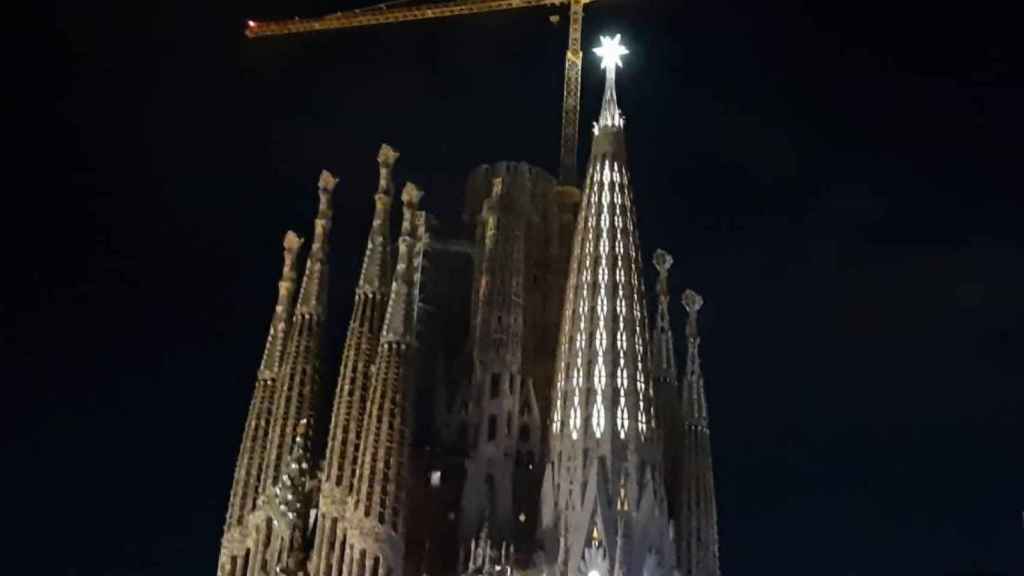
column 411, row 195
column 327, row 181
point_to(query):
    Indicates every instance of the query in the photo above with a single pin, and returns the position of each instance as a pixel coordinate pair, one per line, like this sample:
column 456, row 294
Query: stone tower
column 666, row 387
column 235, row 551
column 375, row 544
column 351, row 396
column 696, row 514
column 501, row 400
column 603, row 505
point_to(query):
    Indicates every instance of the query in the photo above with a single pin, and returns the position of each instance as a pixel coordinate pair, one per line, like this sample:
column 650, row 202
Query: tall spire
column 666, row 389
column 695, row 409
column 244, row 488
column 601, row 498
column 351, row 396
column 664, row 356
column 313, row 294
column 697, row 535
column 375, row 274
column 376, row 519
column 300, row 372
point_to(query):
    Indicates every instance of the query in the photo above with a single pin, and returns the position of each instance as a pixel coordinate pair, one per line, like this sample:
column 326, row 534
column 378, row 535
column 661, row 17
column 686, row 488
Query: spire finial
column 386, row 161
column 611, row 52
column 662, row 261
column 292, row 244
column 693, row 303
column 387, row 156
column 411, row 195
column 326, row 186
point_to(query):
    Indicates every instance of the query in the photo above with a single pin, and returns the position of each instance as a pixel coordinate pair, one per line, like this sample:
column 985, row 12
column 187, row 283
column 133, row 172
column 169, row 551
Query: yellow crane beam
column 384, row 14
column 571, row 96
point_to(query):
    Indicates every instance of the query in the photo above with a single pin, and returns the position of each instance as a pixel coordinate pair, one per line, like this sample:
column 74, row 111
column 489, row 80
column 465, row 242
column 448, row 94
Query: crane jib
column 384, row 14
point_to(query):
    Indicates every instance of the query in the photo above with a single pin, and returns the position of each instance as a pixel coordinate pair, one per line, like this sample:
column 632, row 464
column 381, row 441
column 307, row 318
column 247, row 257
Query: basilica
column 504, row 404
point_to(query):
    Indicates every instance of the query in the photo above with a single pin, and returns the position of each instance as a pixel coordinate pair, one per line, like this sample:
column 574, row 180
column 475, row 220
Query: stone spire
column 376, row 272
column 352, row 393
column 664, row 356
column 695, row 409
column 300, row 371
column 602, row 498
column 697, row 534
column 245, row 486
column 376, row 519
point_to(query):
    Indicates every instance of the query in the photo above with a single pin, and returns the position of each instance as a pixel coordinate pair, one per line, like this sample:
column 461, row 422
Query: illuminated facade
column 501, row 405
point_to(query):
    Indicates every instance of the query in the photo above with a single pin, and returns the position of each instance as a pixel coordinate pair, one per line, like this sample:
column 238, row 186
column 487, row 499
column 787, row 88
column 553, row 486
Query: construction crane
column 394, row 12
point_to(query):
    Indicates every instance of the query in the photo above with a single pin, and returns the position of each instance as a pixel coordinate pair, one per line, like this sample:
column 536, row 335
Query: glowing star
column 611, row 51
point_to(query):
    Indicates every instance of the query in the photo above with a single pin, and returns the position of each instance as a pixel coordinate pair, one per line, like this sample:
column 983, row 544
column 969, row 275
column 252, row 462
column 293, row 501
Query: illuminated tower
column 352, row 393
column 375, row 528
column 251, row 457
column 288, row 378
column 697, row 517
column 603, row 502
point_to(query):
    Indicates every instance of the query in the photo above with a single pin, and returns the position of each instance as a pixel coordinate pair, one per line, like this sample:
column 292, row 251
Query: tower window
column 492, row 427
column 495, row 386
column 524, row 433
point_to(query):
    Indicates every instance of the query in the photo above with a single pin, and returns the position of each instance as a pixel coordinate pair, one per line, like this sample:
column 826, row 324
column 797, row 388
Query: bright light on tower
column 611, row 51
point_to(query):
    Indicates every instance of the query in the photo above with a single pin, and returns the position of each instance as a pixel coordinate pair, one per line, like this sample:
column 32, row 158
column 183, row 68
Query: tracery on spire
column 611, row 52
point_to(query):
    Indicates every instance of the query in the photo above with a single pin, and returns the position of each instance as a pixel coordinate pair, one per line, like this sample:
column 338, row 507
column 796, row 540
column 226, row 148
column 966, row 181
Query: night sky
column 841, row 181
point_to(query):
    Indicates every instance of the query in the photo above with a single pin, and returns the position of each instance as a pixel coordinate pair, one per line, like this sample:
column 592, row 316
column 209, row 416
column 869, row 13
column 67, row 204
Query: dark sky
column 842, row 181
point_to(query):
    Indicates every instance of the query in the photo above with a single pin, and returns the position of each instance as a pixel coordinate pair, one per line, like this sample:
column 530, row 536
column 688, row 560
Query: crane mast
column 571, row 97
column 384, row 14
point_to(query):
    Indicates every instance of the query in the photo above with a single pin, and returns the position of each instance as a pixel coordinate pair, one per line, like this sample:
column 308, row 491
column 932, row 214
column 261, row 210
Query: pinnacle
column 662, row 261
column 692, row 301
column 387, row 156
